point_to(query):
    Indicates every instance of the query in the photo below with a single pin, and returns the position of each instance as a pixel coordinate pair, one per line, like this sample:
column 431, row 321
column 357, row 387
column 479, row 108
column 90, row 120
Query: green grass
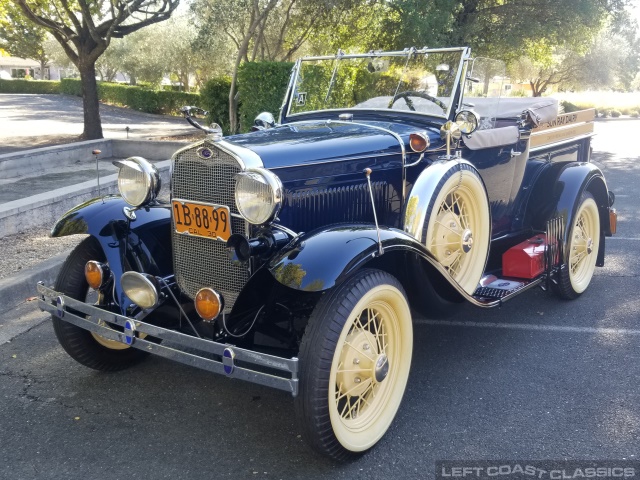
column 627, row 103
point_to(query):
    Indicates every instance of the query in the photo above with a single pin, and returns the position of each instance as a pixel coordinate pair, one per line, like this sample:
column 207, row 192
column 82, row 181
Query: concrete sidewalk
column 38, row 186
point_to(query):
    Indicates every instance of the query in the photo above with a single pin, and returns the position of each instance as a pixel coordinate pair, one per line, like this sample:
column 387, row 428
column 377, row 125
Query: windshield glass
column 423, row 82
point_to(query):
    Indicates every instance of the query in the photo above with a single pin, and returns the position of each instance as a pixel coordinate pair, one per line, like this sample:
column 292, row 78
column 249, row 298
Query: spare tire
column 457, row 226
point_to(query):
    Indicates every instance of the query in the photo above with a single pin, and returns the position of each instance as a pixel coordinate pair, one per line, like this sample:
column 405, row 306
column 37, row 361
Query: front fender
column 143, row 244
column 322, row 259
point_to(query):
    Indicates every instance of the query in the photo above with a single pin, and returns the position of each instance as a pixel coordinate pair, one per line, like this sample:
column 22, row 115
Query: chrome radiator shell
column 199, row 261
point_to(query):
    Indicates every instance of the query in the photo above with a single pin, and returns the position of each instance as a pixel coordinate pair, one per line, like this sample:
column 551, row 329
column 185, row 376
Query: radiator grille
column 309, row 209
column 197, row 261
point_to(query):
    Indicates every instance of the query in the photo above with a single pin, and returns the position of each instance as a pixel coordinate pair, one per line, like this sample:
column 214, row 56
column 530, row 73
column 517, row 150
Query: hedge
column 262, row 86
column 135, row 97
column 214, row 97
column 29, row 86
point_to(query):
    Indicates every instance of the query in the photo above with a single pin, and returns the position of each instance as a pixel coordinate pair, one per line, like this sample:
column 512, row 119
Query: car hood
column 309, row 142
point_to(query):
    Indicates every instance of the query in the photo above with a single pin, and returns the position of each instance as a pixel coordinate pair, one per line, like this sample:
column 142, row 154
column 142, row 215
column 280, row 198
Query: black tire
column 584, row 241
column 344, row 412
column 81, row 344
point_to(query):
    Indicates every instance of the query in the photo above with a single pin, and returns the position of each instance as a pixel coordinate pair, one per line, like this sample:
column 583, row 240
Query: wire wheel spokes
column 453, row 221
column 582, row 243
column 356, row 384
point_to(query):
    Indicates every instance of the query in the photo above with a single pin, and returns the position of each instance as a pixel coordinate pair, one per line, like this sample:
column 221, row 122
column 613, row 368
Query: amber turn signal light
column 208, row 304
column 418, row 142
column 96, row 274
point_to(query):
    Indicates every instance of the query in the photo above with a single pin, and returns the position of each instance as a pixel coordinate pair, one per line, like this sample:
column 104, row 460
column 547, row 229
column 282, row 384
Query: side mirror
column 467, row 121
column 263, row 121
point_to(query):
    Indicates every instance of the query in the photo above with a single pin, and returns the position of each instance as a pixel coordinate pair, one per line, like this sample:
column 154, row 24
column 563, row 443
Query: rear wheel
column 89, row 349
column 583, row 245
column 355, row 359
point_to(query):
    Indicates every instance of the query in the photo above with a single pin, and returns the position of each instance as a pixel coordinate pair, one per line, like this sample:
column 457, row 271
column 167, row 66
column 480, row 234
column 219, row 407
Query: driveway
column 28, row 121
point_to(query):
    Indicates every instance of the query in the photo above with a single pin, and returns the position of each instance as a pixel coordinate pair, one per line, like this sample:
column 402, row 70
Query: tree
column 85, row 29
column 561, row 68
column 21, row 38
column 267, row 29
column 498, row 28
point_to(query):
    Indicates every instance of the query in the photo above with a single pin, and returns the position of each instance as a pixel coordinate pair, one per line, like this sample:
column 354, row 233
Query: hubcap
column 467, row 241
column 381, row 369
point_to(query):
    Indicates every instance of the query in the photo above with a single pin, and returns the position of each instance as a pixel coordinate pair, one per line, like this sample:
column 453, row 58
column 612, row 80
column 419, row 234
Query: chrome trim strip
column 247, row 158
column 466, row 53
column 396, row 53
column 332, row 160
column 283, row 366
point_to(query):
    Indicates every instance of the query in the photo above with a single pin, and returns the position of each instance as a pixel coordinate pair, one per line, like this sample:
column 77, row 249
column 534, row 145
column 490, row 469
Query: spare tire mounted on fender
column 456, row 226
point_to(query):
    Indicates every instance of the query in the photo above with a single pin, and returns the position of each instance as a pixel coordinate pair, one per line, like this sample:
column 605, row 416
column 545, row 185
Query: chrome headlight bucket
column 141, row 288
column 258, row 195
column 138, row 181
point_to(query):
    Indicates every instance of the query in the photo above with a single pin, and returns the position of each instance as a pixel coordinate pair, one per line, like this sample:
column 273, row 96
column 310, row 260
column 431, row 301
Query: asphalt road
column 539, row 378
column 29, row 121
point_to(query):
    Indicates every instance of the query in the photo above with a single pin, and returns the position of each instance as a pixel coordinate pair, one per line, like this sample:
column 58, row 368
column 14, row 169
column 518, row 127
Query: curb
column 16, row 289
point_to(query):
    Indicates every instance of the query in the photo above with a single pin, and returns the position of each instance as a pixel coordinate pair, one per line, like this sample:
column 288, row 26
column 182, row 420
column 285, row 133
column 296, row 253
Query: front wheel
column 89, row 349
column 355, row 359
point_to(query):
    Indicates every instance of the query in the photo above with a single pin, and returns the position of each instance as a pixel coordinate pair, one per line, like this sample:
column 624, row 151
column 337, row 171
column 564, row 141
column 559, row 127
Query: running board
column 500, row 290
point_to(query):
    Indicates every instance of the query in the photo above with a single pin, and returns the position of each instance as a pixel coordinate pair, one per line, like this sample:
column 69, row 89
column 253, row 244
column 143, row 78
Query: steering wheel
column 413, row 93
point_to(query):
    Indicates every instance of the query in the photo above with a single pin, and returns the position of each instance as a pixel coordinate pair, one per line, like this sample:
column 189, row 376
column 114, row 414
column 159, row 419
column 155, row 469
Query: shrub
column 214, row 97
column 615, row 113
column 262, row 86
column 569, row 107
column 135, row 97
column 71, row 86
column 29, row 86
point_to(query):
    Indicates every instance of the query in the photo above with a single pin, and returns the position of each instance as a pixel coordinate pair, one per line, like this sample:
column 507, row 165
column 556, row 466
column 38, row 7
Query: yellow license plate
column 202, row 219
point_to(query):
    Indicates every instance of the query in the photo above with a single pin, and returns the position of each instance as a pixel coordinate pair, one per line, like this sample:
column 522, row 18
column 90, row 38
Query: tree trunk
column 92, row 123
column 43, row 65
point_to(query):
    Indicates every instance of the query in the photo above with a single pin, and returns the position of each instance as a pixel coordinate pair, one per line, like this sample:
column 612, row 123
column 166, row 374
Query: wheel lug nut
column 357, row 380
column 365, row 346
column 453, row 225
column 356, row 361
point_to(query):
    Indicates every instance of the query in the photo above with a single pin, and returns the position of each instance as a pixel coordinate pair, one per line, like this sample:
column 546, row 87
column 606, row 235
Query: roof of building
column 18, row 62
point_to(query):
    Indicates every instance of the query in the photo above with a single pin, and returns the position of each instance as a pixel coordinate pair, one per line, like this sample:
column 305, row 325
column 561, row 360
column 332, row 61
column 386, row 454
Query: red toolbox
column 525, row 260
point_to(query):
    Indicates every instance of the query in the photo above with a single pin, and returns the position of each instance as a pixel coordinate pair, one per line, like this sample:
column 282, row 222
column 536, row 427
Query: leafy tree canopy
column 19, row 37
column 85, row 28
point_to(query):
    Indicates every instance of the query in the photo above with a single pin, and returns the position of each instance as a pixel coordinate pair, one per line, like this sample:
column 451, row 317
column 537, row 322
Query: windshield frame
column 465, row 54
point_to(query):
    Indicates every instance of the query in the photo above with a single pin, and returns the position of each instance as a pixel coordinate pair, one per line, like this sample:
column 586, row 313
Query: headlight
column 258, row 195
column 138, row 180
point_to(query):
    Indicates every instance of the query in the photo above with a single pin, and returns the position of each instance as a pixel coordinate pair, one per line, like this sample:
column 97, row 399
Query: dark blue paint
column 321, row 259
column 144, row 244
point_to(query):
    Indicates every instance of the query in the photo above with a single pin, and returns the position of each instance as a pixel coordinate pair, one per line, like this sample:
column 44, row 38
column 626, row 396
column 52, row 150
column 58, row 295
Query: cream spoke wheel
column 583, row 246
column 364, row 378
column 459, row 226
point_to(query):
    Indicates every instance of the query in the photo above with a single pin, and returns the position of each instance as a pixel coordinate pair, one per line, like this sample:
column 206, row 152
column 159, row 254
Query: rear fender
column 569, row 186
column 143, row 244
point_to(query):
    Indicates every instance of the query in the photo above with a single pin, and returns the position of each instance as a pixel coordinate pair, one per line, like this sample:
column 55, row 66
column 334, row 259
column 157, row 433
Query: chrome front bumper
column 280, row 373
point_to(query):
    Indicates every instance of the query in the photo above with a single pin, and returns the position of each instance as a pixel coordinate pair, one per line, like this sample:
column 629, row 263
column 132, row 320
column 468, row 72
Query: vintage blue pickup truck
column 393, row 184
